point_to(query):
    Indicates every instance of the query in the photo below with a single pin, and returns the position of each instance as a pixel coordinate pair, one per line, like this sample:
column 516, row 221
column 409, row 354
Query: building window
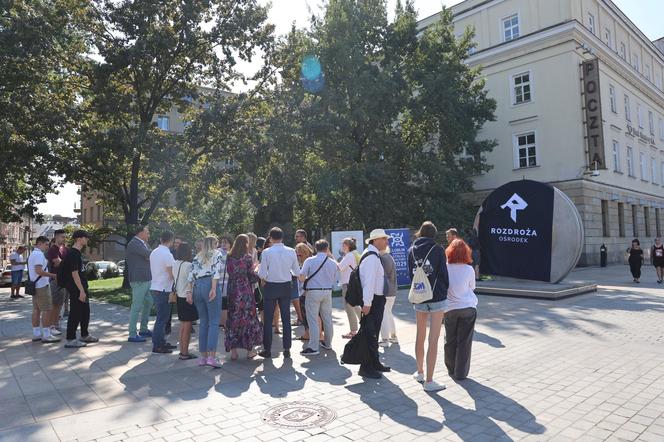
column 511, row 27
column 646, row 219
column 612, row 99
column 623, row 51
column 521, row 88
column 653, row 170
column 643, row 166
column 651, row 123
column 616, row 156
column 658, row 224
column 607, row 37
column 621, row 220
column 635, row 221
column 591, row 23
column 635, row 62
column 630, row 161
column 605, row 218
column 639, row 117
column 628, row 109
column 163, row 122
column 526, row 151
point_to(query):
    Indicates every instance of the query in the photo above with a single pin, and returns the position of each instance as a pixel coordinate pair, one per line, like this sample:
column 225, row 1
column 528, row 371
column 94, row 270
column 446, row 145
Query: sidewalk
column 584, row 368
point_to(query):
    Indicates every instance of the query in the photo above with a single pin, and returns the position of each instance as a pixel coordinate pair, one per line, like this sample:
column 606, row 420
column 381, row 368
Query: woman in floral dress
column 244, row 330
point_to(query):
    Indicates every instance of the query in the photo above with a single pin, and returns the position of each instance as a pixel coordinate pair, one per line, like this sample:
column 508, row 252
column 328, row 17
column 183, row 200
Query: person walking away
column 187, row 313
column 204, row 291
column 243, row 329
column 42, row 302
column 55, row 255
column 278, row 266
column 137, row 258
column 17, row 262
column 318, row 275
column 372, row 277
column 72, row 276
column 657, row 259
column 427, row 254
column 349, row 261
column 388, row 329
column 161, row 285
column 635, row 260
column 461, row 311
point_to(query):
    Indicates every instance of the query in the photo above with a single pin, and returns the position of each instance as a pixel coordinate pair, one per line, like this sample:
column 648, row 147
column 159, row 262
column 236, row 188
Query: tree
column 154, row 56
column 41, row 49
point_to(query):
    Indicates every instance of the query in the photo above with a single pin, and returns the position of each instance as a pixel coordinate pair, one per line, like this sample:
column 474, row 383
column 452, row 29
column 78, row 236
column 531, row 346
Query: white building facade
column 599, row 139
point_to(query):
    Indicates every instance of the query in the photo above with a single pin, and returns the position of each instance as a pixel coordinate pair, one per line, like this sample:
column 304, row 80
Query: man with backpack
column 372, row 278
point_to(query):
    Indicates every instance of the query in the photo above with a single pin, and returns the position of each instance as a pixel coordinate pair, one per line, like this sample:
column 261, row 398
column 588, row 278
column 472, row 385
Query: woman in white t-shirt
column 461, row 311
column 346, row 265
column 187, row 312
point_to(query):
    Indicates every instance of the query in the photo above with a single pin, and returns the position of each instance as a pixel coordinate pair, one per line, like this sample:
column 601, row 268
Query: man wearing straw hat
column 372, row 277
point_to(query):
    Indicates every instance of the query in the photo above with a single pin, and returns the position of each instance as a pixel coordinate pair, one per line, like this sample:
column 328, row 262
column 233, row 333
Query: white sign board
column 338, row 237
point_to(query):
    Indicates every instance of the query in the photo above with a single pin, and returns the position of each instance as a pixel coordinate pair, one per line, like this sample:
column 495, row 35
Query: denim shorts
column 17, row 277
column 431, row 307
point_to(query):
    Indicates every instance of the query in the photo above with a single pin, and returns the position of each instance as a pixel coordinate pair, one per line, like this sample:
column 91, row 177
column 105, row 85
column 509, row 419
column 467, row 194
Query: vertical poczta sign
column 399, row 242
column 515, row 231
column 593, row 105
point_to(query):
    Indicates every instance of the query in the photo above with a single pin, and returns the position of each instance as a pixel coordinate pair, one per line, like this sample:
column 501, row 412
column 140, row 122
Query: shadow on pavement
column 279, row 381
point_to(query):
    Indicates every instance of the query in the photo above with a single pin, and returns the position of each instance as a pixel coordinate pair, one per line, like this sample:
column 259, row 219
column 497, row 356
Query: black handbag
column 356, row 350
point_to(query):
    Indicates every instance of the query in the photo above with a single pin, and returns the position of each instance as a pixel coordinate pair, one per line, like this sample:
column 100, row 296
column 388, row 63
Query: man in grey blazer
column 138, row 268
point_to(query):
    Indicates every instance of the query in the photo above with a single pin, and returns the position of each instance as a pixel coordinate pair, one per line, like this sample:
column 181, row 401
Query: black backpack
column 354, row 290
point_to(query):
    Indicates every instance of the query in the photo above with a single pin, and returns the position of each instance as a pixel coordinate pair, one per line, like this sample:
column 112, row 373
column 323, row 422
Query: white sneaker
column 419, row 377
column 433, row 386
column 36, row 338
column 75, row 343
column 55, row 331
column 50, row 339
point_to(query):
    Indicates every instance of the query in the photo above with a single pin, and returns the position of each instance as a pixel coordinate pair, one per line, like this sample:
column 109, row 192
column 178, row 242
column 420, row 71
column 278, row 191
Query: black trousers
column 79, row 314
column 635, row 268
column 273, row 293
column 459, row 330
column 371, row 326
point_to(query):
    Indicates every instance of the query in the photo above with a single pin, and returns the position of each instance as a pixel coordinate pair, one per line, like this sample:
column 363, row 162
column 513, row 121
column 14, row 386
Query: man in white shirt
column 41, row 300
column 161, row 269
column 18, row 266
column 277, row 268
column 372, row 277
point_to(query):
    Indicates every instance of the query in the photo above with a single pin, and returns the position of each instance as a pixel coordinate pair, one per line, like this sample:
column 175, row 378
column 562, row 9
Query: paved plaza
column 585, row 368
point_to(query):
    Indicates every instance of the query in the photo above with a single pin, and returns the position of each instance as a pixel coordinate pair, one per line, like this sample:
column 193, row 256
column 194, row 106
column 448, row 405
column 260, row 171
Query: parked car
column 6, row 278
column 101, row 269
column 121, row 267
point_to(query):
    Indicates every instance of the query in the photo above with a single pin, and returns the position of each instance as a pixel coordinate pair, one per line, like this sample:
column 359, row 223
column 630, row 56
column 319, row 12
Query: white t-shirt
column 181, row 281
column 460, row 293
column 18, row 258
column 162, row 279
column 346, row 266
column 37, row 258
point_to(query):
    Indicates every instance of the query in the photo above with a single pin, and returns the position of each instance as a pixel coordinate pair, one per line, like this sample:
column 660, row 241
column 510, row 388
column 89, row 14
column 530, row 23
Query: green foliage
column 41, row 48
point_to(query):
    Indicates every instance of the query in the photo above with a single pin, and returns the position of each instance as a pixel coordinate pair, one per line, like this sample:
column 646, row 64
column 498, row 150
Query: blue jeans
column 163, row 309
column 209, row 313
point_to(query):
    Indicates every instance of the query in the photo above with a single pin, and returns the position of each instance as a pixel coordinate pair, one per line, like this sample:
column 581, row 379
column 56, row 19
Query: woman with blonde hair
column 203, row 290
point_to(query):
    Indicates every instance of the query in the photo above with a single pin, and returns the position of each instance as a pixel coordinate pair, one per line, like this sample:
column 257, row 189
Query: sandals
column 251, row 355
column 187, row 357
column 349, row 335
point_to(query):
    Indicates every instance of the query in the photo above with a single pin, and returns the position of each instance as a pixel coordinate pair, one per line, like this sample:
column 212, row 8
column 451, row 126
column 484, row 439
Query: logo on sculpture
column 299, row 415
column 515, row 203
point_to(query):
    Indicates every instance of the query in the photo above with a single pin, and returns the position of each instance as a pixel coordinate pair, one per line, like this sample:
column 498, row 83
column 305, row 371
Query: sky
column 646, row 14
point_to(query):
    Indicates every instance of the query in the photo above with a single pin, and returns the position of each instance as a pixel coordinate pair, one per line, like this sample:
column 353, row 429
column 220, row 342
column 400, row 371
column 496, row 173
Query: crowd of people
column 243, row 287
column 636, row 257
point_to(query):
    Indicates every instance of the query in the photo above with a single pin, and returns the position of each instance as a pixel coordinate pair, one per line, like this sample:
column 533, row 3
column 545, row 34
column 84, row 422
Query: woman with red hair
column 461, row 309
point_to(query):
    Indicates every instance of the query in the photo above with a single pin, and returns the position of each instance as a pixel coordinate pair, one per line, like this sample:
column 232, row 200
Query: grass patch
column 110, row 290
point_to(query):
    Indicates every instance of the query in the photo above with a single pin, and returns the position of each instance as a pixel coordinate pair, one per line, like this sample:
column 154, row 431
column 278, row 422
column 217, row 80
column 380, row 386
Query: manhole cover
column 299, row 415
